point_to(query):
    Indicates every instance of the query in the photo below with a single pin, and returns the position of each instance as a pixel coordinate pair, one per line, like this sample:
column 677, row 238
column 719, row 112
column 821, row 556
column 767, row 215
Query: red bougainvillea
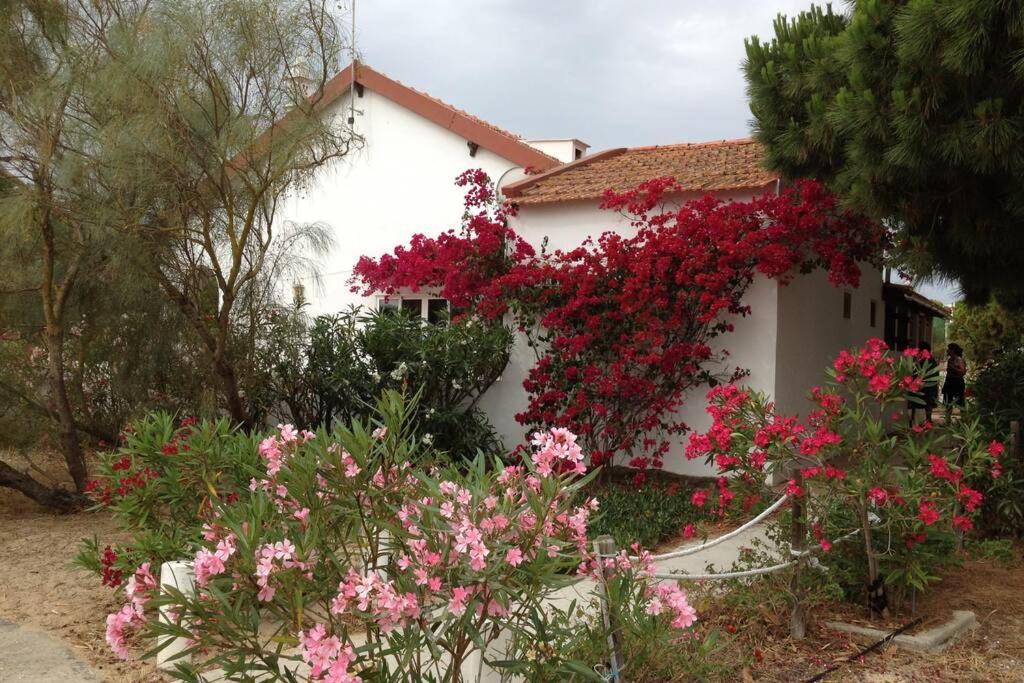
column 623, row 325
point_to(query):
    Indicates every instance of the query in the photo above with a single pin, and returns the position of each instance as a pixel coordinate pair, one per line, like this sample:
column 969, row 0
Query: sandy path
column 41, row 592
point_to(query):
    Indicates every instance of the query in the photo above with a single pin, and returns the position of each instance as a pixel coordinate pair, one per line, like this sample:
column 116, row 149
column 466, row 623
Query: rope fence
column 693, row 550
column 605, row 548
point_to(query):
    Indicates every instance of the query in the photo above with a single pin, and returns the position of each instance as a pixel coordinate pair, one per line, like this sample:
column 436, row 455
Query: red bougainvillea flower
column 624, row 325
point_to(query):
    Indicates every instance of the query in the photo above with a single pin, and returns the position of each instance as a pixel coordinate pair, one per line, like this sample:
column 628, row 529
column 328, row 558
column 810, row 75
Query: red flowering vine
column 623, row 325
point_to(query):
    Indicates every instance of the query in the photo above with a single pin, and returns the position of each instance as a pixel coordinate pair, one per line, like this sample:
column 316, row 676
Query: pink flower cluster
column 557, row 452
column 274, row 557
column 377, row 598
column 210, row 563
column 131, row 616
column 329, row 661
column 670, row 598
column 275, row 449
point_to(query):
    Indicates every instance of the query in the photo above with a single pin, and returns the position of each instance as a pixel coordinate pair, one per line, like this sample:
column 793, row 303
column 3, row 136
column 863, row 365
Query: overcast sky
column 611, row 73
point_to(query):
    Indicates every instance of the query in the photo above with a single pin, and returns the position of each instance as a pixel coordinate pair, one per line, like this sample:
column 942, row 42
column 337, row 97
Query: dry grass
column 993, row 652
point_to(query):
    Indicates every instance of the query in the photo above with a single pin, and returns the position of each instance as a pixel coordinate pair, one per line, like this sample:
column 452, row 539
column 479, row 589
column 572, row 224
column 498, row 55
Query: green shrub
column 998, row 387
column 164, row 483
column 648, row 515
column 333, row 368
column 998, row 391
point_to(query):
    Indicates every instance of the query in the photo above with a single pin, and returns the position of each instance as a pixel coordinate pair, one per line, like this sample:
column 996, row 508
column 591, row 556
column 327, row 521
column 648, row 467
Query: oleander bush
column 893, row 494
column 350, row 560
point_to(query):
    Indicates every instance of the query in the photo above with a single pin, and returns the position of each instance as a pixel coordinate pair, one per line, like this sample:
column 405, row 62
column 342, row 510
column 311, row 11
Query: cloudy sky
column 611, row 73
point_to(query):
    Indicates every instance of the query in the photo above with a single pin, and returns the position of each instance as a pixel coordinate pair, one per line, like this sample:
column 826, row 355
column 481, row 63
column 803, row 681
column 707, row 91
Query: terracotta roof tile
column 697, row 167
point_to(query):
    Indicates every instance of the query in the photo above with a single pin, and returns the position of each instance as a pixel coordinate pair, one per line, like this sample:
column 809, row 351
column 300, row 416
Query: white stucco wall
column 566, row 226
column 400, row 182
column 812, row 330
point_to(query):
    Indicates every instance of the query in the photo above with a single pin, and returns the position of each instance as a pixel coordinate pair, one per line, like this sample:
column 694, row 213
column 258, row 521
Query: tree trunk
column 236, row 406
column 877, row 602
column 55, row 498
column 798, row 533
column 70, row 444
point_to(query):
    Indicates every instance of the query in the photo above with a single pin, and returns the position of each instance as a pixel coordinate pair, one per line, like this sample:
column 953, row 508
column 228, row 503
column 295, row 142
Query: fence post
column 178, row 575
column 604, row 546
column 798, row 535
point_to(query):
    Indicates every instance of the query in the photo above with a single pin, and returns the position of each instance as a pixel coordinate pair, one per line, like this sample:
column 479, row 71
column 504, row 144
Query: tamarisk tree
column 49, row 213
column 216, row 110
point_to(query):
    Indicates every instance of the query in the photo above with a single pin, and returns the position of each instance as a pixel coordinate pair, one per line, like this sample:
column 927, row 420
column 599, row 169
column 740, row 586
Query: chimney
column 563, row 149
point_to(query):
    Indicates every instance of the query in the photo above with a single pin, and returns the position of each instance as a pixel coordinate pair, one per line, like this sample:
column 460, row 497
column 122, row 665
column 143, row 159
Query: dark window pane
column 847, row 305
column 388, row 305
column 437, row 310
column 874, row 312
column 413, row 307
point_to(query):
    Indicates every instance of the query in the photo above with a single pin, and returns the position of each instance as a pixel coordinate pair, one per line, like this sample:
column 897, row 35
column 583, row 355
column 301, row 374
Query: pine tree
column 913, row 112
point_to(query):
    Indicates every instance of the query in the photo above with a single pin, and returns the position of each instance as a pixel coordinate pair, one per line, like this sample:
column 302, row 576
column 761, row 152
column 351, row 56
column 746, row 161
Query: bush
column 647, row 515
column 998, row 387
column 162, row 484
column 998, row 391
column 335, row 367
column 347, row 558
column 860, row 473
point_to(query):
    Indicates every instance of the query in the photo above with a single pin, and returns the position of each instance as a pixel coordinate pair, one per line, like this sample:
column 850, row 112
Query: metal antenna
column 352, row 86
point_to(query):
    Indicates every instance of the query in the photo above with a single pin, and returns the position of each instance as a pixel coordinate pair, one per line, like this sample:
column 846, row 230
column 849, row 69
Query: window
column 847, row 305
column 431, row 310
column 874, row 313
column 437, row 310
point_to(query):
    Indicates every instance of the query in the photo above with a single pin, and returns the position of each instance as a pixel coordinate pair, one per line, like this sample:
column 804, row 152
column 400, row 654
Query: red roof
column 697, row 167
column 473, row 129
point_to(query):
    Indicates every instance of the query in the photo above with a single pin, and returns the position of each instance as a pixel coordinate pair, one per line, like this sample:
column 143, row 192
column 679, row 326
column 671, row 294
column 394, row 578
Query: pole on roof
column 352, row 86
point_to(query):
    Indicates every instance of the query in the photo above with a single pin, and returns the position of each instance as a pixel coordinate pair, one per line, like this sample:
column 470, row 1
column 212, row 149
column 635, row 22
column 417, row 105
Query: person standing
column 955, row 386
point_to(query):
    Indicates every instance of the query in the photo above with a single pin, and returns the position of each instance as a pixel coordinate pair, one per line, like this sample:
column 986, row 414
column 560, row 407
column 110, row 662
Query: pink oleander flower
column 514, row 557
column 457, row 604
column 329, row 661
column 996, row 449
column 288, row 433
column 672, row 598
column 119, row 625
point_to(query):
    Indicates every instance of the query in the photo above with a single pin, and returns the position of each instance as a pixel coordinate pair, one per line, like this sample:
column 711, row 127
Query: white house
column 401, row 182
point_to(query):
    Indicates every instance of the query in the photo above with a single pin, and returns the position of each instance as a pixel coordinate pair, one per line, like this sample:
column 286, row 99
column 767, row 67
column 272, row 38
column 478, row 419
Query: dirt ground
column 993, row 652
column 39, row 587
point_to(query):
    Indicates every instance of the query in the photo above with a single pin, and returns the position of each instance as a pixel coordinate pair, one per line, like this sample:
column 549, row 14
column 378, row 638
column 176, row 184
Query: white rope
column 721, row 539
column 750, row 572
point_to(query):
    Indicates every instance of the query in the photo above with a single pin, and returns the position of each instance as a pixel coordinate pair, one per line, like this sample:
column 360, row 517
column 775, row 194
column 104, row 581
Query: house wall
column 400, row 182
column 812, row 330
column 751, row 345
